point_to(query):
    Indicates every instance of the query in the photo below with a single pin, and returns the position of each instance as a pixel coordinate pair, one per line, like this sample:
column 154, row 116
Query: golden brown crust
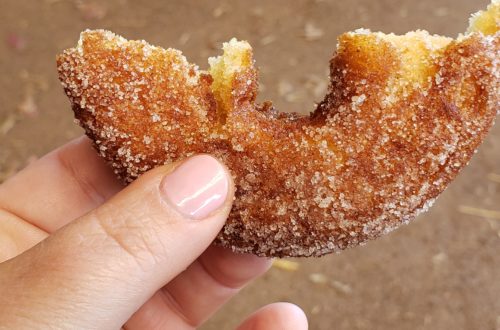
column 386, row 140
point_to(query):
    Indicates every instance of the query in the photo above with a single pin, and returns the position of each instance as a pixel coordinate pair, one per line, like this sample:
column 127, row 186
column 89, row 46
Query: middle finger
column 198, row 292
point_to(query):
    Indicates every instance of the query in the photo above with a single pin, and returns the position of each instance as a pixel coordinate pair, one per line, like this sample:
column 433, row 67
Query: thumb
column 98, row 270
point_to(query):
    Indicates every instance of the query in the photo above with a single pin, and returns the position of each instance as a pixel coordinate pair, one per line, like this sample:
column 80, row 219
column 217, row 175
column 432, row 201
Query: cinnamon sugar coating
column 403, row 115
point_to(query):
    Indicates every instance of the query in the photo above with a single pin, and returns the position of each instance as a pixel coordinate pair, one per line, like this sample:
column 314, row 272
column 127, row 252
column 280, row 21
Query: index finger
column 59, row 187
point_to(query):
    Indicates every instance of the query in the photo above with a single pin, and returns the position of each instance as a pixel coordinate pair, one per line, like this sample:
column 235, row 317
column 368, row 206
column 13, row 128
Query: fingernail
column 197, row 187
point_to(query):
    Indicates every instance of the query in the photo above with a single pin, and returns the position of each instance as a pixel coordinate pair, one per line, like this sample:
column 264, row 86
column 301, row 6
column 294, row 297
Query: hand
column 136, row 257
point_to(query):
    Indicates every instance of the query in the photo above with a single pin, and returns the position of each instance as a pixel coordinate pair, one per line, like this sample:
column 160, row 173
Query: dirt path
column 440, row 272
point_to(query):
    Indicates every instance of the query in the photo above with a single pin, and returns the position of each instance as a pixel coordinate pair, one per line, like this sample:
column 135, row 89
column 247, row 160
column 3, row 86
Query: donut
column 402, row 116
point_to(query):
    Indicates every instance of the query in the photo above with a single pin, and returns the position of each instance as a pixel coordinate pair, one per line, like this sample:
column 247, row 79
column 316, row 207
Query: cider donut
column 402, row 116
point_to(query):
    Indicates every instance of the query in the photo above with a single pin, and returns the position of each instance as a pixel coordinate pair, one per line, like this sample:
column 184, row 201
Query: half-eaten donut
column 402, row 116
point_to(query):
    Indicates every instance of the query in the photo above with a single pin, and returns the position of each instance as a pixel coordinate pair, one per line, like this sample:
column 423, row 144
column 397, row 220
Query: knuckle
column 137, row 238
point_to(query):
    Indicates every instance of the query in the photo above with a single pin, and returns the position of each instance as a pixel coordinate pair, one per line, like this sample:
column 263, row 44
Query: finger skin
column 211, row 280
column 60, row 187
column 98, row 270
column 277, row 316
column 196, row 294
column 16, row 235
column 223, row 272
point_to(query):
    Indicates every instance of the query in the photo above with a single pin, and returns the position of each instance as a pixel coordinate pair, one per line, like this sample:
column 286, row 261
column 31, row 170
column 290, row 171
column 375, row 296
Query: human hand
column 136, row 257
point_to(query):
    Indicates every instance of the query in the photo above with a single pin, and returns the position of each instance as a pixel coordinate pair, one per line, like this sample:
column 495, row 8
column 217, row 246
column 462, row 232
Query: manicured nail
column 197, row 187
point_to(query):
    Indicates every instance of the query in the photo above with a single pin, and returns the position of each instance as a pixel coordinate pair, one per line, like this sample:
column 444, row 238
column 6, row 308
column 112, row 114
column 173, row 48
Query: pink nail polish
column 197, row 187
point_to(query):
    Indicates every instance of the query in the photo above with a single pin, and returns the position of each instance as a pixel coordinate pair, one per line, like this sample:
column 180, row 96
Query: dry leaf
column 289, row 266
column 257, row 11
column 479, row 212
column 312, row 32
column 262, row 87
column 7, row 124
column 184, row 38
column 28, row 106
column 316, row 309
column 439, row 258
column 318, row 278
column 403, row 12
column 269, row 39
column 91, row 10
column 316, row 85
column 341, row 287
column 284, row 87
column 219, row 11
column 494, row 177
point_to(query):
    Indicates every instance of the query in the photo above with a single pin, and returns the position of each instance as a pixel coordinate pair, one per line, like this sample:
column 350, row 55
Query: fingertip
column 281, row 315
column 299, row 316
column 291, row 315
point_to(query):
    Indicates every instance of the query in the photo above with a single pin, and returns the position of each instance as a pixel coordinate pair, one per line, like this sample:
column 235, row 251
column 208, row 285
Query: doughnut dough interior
column 402, row 116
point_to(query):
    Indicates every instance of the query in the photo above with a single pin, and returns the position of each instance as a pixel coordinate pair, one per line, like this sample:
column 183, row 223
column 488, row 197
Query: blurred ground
column 440, row 272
